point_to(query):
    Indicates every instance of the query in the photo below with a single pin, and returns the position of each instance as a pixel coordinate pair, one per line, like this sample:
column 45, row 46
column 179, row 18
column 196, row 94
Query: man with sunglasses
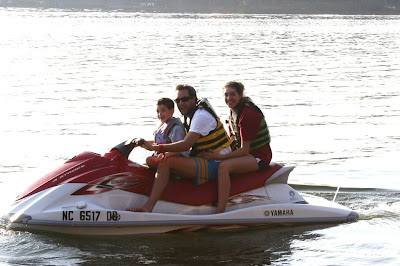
column 204, row 132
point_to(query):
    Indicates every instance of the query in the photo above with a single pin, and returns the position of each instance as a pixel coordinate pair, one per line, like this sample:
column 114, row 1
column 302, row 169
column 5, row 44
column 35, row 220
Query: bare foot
column 137, row 209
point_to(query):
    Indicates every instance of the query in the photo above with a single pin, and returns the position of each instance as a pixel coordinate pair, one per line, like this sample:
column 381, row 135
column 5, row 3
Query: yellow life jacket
column 216, row 139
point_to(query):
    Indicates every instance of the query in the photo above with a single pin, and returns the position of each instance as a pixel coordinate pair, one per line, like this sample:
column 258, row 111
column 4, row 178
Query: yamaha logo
column 292, row 193
column 284, row 212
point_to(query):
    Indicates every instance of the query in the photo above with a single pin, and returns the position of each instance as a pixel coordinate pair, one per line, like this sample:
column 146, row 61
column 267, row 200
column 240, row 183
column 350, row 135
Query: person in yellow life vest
column 204, row 132
column 252, row 139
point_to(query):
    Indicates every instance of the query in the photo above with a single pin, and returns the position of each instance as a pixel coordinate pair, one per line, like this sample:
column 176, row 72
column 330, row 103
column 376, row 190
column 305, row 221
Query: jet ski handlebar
column 126, row 147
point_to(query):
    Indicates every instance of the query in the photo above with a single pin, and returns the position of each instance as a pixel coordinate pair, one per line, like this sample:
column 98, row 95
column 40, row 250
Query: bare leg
column 224, row 186
column 179, row 165
column 161, row 181
column 238, row 165
column 137, row 209
column 152, row 162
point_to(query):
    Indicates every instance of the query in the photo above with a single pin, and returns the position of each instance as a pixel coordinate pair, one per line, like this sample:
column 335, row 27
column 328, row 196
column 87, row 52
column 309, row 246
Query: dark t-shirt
column 249, row 125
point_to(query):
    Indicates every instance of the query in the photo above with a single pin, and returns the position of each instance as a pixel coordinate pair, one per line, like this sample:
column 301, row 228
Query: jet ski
column 89, row 195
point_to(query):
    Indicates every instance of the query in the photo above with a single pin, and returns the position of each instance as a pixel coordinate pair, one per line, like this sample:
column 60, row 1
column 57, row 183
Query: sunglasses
column 183, row 99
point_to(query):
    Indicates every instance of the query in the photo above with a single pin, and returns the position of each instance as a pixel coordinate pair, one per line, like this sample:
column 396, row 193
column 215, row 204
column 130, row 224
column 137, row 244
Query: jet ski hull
column 84, row 216
column 89, row 195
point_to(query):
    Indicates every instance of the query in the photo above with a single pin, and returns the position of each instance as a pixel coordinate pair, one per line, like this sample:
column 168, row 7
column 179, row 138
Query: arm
column 146, row 144
column 242, row 151
column 249, row 124
column 177, row 133
column 179, row 146
column 202, row 123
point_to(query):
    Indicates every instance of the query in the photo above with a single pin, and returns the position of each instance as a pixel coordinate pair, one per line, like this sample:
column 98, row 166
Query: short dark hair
column 238, row 86
column 190, row 89
column 167, row 102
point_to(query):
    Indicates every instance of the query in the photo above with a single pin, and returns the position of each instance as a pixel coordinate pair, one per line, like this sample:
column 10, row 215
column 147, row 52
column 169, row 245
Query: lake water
column 329, row 87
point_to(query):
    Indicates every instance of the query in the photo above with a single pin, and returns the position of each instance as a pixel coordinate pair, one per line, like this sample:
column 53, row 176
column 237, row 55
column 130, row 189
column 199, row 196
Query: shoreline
column 341, row 7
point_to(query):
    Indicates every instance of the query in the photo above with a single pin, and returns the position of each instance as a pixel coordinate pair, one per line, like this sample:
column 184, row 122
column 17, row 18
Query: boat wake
column 370, row 203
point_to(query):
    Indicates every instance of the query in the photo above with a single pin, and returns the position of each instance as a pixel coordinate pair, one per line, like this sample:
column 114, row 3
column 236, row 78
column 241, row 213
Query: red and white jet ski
column 89, row 194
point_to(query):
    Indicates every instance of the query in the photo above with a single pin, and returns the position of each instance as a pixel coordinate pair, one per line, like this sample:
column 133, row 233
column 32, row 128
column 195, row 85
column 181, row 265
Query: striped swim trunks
column 206, row 170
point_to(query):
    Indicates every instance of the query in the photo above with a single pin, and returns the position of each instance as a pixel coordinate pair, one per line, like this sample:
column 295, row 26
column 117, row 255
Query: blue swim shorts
column 206, row 170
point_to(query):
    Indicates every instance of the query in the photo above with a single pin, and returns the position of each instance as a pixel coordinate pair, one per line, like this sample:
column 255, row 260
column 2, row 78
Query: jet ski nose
column 19, row 218
column 353, row 216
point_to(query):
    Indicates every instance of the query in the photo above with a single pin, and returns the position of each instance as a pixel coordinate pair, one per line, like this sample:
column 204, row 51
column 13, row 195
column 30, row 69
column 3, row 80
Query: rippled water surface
column 328, row 85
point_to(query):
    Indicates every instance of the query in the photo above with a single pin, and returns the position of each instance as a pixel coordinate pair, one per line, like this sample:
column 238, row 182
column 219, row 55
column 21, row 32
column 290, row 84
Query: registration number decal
column 90, row 215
